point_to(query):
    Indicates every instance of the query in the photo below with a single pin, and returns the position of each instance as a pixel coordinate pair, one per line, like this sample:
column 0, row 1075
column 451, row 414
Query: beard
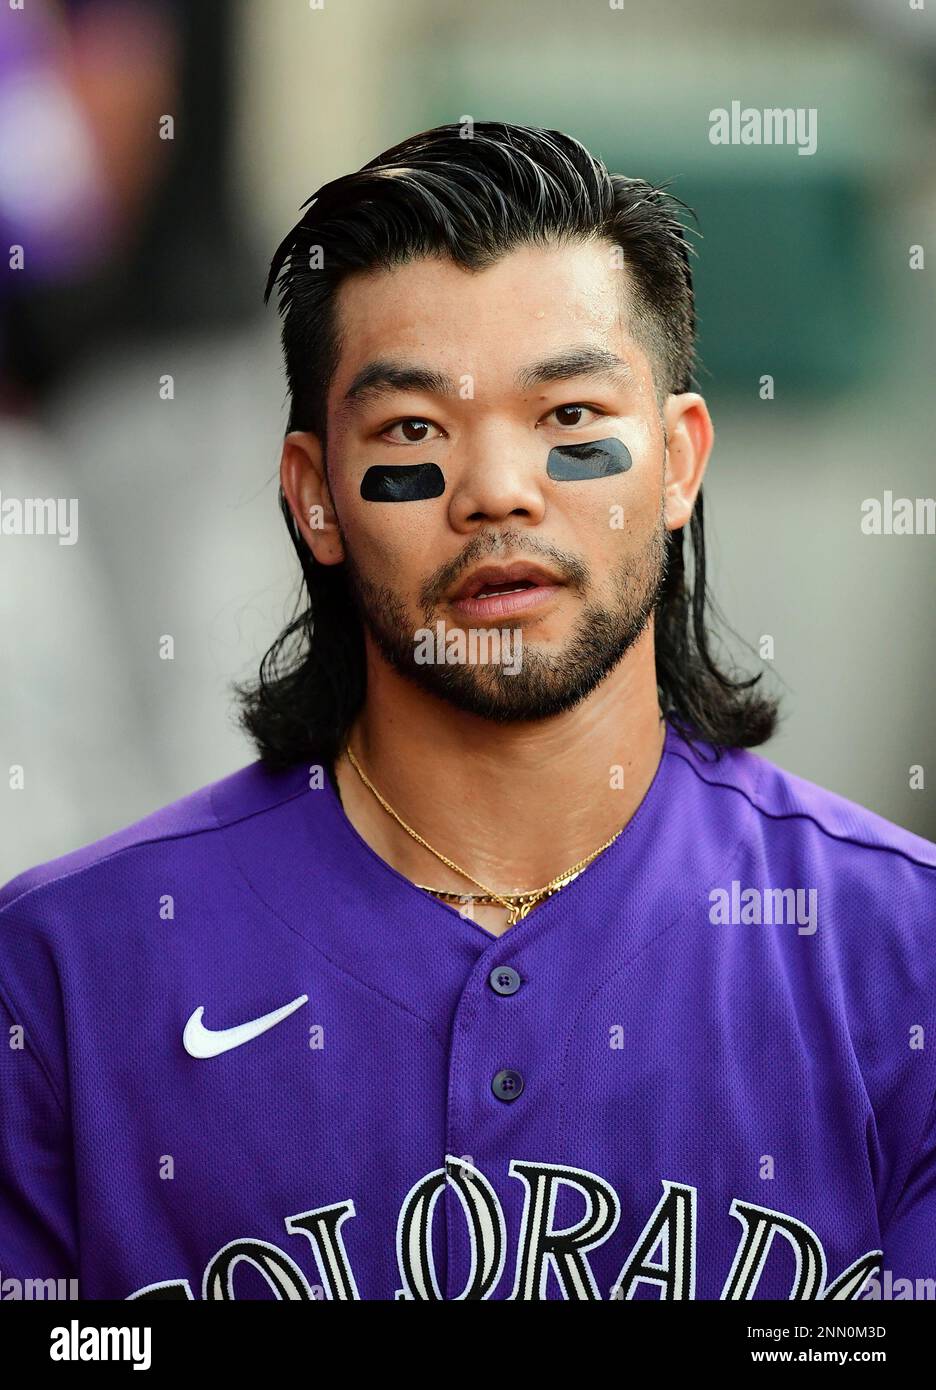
column 548, row 682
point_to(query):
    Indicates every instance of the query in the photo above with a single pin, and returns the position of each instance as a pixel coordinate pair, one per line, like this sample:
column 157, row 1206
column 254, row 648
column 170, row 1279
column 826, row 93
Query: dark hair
column 474, row 194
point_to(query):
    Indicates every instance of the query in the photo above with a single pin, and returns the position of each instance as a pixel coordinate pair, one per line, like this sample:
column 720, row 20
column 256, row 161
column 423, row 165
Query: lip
column 507, row 605
column 468, row 600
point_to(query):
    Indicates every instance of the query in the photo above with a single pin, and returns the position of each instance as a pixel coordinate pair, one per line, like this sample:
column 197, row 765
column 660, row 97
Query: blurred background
column 145, row 250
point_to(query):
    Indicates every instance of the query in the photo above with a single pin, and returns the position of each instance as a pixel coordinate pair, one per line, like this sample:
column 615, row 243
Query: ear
column 305, row 487
column 689, row 438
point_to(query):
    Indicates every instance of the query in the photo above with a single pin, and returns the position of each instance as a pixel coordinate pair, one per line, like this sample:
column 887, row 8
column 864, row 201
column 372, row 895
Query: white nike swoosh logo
column 200, row 1041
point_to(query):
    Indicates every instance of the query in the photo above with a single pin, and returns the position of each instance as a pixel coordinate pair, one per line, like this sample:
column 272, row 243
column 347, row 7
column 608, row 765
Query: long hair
column 474, row 194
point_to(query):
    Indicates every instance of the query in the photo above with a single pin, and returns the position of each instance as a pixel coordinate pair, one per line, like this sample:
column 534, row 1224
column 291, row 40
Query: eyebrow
column 589, row 361
column 386, row 376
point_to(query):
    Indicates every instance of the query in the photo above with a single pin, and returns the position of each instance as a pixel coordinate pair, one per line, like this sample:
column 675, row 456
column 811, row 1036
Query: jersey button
column 503, row 979
column 507, row 1085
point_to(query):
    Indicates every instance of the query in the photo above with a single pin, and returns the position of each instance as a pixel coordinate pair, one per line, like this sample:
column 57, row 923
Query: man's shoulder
column 191, row 822
column 839, row 904
column 791, row 810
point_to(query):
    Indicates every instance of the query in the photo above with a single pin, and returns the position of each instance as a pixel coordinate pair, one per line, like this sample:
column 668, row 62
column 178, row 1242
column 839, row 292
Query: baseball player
column 507, row 970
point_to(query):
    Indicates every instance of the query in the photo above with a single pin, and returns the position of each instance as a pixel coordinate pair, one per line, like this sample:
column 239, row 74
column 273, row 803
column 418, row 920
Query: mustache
column 497, row 545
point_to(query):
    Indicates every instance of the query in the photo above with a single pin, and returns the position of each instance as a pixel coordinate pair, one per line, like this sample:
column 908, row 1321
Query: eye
column 415, row 431
column 570, row 416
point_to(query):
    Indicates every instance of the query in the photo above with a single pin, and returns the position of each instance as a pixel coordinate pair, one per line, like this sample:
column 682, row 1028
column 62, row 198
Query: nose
column 499, row 477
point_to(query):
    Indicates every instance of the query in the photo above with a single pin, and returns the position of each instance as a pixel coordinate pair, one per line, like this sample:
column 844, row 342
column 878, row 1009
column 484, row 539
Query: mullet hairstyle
column 473, row 194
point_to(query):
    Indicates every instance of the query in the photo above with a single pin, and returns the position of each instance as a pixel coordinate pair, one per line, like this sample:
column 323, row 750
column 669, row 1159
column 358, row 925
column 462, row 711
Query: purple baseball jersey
column 243, row 1057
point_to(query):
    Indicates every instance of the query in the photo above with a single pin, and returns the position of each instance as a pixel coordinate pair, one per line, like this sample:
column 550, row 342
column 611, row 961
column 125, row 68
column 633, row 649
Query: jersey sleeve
column 38, row 1238
column 909, row 1236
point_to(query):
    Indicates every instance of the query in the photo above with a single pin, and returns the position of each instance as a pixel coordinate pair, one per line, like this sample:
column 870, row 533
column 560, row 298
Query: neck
column 514, row 804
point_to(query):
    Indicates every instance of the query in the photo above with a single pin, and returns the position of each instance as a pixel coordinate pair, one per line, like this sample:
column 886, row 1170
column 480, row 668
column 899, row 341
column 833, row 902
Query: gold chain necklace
column 518, row 905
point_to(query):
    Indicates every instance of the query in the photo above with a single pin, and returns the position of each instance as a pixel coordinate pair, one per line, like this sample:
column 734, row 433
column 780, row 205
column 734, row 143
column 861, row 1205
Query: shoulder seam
column 143, row 843
column 806, row 815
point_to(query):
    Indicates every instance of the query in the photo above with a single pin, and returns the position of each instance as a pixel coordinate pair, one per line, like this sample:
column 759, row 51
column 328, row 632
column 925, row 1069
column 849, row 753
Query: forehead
column 532, row 301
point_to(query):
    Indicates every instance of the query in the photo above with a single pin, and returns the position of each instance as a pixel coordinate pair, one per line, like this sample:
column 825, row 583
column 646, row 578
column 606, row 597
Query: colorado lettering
column 664, row 1254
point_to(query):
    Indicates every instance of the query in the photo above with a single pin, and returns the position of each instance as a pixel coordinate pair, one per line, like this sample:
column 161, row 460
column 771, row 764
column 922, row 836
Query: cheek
column 389, row 541
column 611, row 510
column 385, row 513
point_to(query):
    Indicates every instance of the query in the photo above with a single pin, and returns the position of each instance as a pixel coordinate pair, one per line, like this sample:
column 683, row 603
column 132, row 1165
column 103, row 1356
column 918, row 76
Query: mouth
column 497, row 591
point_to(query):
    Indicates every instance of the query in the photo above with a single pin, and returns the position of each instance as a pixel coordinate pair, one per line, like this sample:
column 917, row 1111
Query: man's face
column 538, row 356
